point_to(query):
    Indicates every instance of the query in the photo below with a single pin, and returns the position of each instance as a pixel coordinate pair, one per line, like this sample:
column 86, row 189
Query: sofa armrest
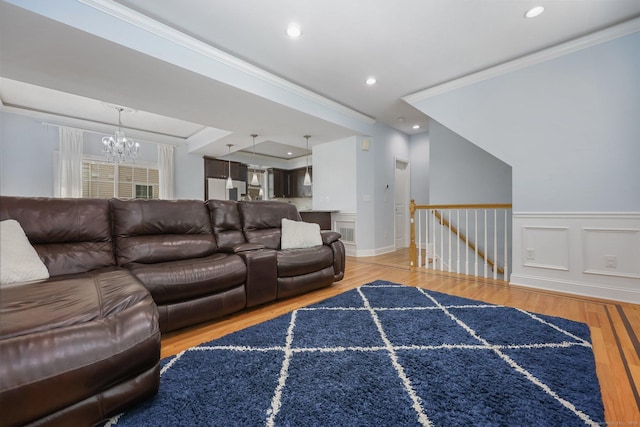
column 243, row 247
column 262, row 276
column 328, row 237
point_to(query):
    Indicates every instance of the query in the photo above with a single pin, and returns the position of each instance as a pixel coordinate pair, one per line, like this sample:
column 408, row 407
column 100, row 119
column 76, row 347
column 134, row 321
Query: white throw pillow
column 19, row 261
column 298, row 234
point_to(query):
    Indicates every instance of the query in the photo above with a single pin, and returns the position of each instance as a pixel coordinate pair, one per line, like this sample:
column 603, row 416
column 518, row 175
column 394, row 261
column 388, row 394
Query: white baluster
column 442, row 241
column 506, row 253
column 458, row 241
column 450, row 262
column 435, row 240
column 419, row 239
column 486, row 247
column 466, row 251
column 426, row 240
column 475, row 239
column 495, row 244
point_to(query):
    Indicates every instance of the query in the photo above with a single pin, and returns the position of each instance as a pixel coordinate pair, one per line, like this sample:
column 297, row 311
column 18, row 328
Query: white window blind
column 106, row 180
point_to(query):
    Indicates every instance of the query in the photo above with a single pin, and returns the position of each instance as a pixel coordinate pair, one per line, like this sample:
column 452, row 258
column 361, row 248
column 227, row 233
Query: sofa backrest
column 70, row 235
column 150, row 231
column 262, row 221
column 225, row 220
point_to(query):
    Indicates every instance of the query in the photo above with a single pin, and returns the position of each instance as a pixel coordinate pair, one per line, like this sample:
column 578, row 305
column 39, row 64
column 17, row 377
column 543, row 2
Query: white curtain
column 68, row 174
column 165, row 171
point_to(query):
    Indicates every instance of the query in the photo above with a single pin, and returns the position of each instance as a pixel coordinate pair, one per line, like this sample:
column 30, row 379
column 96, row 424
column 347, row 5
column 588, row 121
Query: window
column 144, row 191
column 105, row 180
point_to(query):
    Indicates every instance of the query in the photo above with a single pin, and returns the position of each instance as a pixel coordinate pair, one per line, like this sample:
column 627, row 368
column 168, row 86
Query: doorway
column 401, row 203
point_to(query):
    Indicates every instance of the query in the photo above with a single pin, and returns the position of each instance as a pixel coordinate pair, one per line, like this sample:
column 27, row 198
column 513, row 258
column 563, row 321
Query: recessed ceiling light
column 289, row 153
column 533, row 12
column 294, row 31
column 371, row 81
column 416, row 126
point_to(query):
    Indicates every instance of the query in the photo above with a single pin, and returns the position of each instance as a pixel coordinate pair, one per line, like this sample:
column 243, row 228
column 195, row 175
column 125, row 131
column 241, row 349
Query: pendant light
column 229, row 182
column 307, row 177
column 254, row 178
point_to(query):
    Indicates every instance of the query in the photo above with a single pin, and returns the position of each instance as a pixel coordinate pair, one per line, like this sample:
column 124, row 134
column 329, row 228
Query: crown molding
column 172, row 35
column 593, row 39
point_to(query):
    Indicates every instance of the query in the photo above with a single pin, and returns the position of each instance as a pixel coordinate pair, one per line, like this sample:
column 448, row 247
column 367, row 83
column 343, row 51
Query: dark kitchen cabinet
column 281, row 183
column 216, row 168
column 297, row 180
column 289, row 183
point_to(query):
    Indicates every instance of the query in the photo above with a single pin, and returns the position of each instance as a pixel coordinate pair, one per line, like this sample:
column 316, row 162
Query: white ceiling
column 71, row 69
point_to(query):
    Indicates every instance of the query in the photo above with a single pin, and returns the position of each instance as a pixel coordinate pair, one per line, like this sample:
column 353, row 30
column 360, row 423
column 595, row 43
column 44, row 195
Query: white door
column 401, row 204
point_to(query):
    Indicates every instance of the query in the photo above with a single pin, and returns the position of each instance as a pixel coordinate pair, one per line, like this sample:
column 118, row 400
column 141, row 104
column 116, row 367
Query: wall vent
column 345, row 224
column 348, row 234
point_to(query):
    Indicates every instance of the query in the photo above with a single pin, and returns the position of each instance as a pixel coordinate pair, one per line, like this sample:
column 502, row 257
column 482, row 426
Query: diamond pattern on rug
column 385, row 354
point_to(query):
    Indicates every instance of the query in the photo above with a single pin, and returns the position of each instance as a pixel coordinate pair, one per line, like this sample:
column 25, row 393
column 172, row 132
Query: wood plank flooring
column 615, row 326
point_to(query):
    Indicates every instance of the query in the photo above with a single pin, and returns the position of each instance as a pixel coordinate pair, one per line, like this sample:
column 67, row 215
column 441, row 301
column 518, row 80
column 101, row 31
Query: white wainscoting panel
column 546, row 247
column 591, row 254
column 603, row 255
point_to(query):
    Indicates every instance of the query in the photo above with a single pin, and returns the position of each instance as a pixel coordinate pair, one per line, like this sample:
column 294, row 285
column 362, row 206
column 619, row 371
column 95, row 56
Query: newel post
column 412, row 232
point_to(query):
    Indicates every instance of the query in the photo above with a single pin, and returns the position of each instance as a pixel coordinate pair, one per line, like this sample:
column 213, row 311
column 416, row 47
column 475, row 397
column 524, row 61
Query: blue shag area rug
column 384, row 355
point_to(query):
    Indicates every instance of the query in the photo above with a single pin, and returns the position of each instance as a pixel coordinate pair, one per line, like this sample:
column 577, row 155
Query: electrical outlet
column 611, row 261
column 531, row 253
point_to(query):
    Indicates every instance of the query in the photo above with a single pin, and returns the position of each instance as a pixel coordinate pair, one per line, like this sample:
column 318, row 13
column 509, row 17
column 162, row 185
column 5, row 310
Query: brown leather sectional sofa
column 84, row 344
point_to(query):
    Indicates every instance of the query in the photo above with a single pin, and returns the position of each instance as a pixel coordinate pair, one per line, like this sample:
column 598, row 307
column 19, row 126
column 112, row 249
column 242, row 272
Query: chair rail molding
column 595, row 254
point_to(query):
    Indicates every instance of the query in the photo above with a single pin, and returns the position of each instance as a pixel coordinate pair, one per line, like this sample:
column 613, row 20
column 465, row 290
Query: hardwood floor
column 615, row 326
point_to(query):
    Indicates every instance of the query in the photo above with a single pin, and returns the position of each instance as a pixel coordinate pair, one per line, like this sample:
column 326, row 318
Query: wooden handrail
column 412, row 210
column 476, row 206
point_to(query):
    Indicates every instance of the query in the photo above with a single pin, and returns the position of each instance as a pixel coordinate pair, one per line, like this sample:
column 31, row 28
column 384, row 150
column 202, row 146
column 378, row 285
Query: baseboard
column 371, row 252
column 595, row 290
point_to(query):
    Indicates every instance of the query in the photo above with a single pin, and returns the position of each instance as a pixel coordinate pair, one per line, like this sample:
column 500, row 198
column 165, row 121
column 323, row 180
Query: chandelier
column 117, row 147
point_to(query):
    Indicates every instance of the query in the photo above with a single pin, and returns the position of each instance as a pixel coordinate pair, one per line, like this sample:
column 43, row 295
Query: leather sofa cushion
column 296, row 285
column 225, row 218
column 262, row 221
column 70, row 235
column 72, row 337
column 181, row 280
column 296, row 262
column 151, row 231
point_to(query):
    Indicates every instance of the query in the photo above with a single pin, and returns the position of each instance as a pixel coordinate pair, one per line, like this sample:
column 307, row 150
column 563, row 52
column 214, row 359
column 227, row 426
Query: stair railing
column 470, row 239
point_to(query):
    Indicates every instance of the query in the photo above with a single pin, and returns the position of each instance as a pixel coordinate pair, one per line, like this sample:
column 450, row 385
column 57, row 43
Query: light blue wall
column 26, row 151
column 388, row 145
column 365, row 194
column 462, row 173
column 189, row 174
column 419, row 157
column 569, row 127
column 334, row 175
